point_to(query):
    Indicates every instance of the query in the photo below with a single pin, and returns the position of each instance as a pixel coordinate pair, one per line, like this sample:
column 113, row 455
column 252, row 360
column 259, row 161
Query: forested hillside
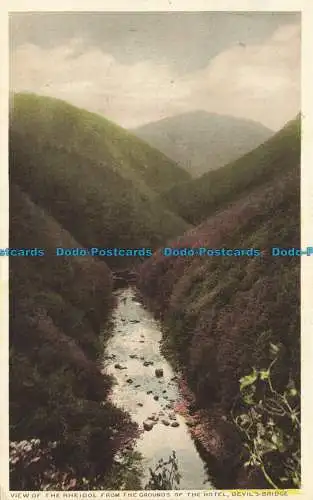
column 199, row 198
column 57, row 392
column 76, row 180
column 231, row 324
column 78, row 166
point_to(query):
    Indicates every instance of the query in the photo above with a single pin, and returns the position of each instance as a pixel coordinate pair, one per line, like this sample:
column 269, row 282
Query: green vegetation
column 79, row 166
column 197, row 199
column 165, row 475
column 57, row 393
column 269, row 424
column 76, row 180
column 221, row 313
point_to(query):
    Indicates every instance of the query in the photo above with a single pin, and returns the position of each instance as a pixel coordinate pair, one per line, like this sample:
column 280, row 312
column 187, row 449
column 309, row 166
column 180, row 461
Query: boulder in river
column 175, row 424
column 149, row 392
column 133, row 356
column 165, row 422
column 134, row 321
column 119, row 367
column 159, row 372
column 156, row 397
column 139, row 404
column 147, row 426
column 129, row 381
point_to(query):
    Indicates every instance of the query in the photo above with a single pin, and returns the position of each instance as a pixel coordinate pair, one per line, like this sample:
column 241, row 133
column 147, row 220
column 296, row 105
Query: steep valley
column 79, row 181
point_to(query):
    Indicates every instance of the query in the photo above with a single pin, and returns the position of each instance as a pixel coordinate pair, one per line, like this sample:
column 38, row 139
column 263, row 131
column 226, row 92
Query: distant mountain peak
column 200, row 141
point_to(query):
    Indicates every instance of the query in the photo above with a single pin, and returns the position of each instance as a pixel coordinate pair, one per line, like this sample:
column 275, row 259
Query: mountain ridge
column 74, row 163
column 199, row 140
column 197, row 199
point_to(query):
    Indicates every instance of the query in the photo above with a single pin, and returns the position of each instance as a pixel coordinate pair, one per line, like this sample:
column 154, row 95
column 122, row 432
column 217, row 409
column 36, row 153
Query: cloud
column 260, row 82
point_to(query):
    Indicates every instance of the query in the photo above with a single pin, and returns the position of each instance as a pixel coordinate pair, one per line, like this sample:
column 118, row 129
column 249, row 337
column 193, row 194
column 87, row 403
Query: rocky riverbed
column 147, row 388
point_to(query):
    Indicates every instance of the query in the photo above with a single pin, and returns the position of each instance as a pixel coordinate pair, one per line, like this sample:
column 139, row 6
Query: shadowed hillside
column 78, row 166
column 197, row 199
column 226, row 317
column 57, row 393
column 201, row 141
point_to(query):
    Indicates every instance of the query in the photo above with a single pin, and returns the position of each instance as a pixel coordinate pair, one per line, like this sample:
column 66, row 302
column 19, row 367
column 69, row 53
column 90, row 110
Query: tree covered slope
column 225, row 316
column 57, row 392
column 80, row 167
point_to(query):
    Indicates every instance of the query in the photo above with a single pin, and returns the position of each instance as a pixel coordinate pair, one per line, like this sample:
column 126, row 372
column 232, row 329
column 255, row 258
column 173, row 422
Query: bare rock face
column 159, row 372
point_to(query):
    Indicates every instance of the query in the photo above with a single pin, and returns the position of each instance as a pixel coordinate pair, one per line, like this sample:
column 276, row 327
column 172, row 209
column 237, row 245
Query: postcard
column 156, row 241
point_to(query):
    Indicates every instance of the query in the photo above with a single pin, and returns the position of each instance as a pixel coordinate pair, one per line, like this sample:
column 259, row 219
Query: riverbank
column 146, row 387
column 215, row 436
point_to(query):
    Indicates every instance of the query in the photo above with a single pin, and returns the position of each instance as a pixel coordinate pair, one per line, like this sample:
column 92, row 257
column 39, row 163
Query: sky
column 136, row 68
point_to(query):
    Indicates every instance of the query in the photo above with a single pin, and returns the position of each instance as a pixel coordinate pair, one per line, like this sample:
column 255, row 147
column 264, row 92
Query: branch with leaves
column 269, row 422
column 165, row 476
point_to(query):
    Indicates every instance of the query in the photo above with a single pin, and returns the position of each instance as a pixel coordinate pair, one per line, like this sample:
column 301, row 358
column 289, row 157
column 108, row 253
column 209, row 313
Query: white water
column 137, row 333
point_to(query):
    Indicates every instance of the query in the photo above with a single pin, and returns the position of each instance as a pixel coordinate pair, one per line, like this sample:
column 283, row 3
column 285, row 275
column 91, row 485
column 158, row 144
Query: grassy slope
column 56, row 388
column 221, row 313
column 197, row 199
column 76, row 164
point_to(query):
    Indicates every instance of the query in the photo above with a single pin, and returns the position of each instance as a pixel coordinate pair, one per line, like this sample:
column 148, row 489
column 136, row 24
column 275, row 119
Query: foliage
column 57, row 392
column 77, row 165
column 269, row 423
column 33, row 467
column 220, row 313
column 165, row 475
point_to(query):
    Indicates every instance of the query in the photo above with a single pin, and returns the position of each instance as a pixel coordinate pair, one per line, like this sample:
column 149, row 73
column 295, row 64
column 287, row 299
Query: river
column 132, row 355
